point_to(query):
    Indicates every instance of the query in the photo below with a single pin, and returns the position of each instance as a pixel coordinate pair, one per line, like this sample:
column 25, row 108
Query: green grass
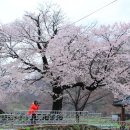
column 99, row 122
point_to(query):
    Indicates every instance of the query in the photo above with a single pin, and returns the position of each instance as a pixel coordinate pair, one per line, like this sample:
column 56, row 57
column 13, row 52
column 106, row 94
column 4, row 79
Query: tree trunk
column 57, row 98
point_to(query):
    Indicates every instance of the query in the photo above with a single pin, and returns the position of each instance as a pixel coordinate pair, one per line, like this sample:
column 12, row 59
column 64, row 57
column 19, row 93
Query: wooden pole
column 122, row 113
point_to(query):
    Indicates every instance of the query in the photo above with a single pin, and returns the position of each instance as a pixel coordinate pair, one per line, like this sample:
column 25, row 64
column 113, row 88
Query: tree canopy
column 42, row 47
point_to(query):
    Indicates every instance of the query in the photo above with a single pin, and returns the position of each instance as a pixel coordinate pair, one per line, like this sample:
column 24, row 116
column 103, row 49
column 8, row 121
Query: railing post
column 122, row 113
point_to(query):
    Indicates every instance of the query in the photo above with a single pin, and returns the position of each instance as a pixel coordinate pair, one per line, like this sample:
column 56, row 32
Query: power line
column 95, row 11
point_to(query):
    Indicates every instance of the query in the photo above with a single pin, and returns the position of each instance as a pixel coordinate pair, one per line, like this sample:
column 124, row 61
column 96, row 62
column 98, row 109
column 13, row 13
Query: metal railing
column 54, row 117
column 6, row 120
column 20, row 118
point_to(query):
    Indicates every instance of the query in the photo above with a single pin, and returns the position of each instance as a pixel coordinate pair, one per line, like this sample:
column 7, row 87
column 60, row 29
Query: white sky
column 74, row 10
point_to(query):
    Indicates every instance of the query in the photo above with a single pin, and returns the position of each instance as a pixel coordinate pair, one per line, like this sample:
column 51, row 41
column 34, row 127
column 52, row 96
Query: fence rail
column 21, row 119
column 54, row 117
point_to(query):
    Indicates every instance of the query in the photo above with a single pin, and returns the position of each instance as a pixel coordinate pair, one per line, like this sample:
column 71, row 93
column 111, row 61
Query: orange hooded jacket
column 33, row 109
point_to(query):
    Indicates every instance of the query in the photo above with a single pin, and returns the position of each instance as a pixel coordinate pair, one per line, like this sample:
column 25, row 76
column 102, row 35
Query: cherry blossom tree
column 24, row 48
column 24, row 44
column 113, row 60
column 98, row 57
column 65, row 56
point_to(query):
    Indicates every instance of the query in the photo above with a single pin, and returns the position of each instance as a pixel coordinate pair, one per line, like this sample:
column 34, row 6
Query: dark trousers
column 33, row 119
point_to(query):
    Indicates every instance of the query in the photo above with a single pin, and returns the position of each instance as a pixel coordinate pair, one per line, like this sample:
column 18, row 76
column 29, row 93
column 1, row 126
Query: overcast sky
column 119, row 11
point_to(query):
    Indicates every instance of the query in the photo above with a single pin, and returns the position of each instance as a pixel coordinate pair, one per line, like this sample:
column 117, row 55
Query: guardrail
column 20, row 119
column 54, row 117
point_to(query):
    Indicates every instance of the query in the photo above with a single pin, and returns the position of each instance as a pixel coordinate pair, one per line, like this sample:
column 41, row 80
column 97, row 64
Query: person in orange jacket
column 32, row 111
